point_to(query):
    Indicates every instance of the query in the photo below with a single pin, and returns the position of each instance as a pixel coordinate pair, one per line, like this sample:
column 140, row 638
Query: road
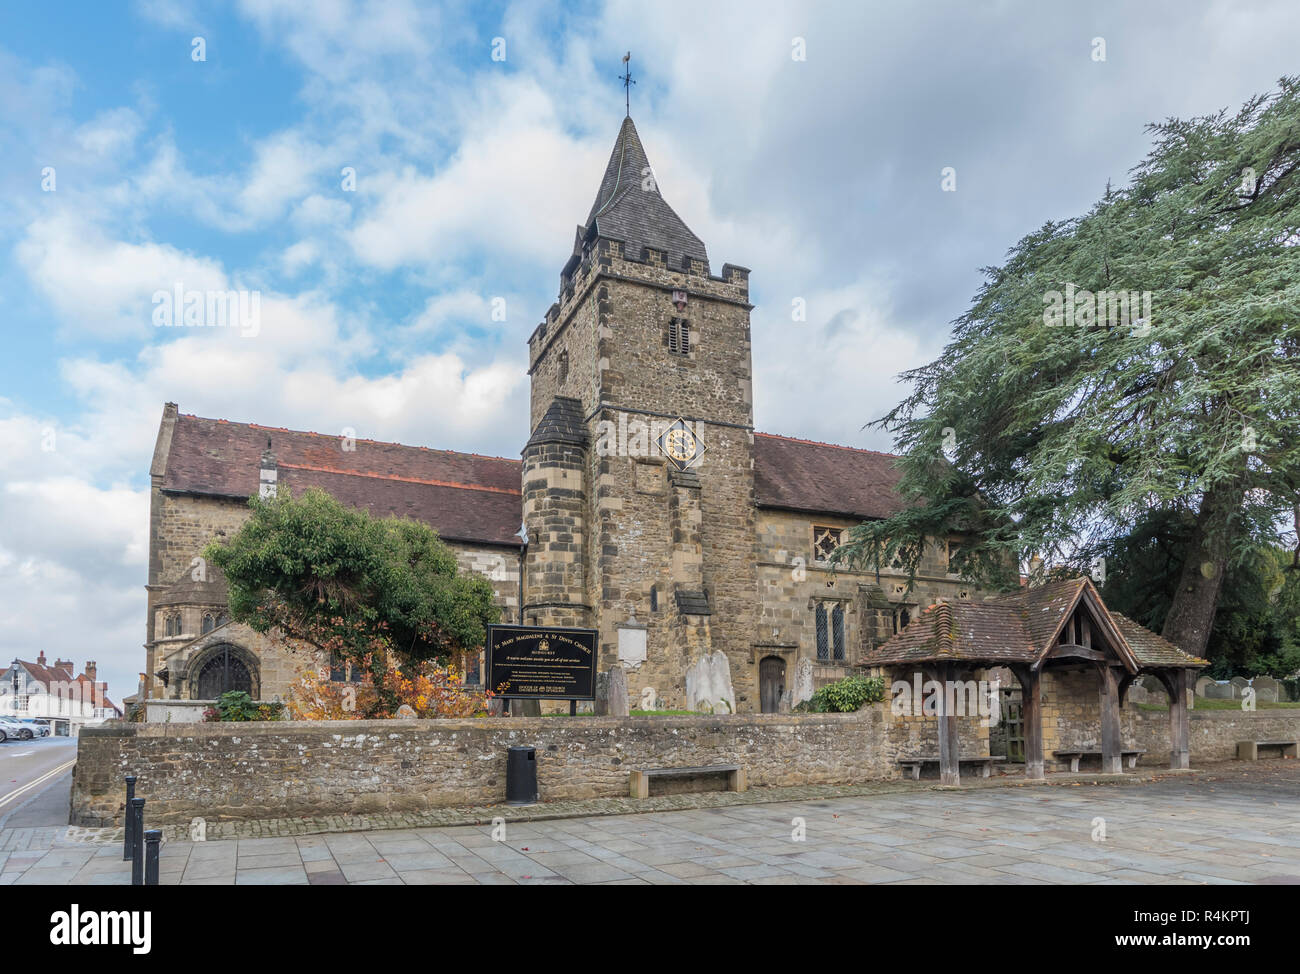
column 35, row 781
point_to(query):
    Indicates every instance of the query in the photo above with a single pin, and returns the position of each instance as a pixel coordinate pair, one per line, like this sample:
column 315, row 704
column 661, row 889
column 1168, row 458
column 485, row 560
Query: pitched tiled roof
column 993, row 631
column 1152, row 649
column 45, row 675
column 1045, row 606
column 800, row 475
column 1020, row 628
column 640, row 217
column 463, row 496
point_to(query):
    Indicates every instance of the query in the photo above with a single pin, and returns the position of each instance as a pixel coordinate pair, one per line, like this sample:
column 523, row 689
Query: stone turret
column 555, row 512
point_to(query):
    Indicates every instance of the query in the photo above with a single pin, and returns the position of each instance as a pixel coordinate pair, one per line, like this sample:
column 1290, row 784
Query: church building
column 645, row 505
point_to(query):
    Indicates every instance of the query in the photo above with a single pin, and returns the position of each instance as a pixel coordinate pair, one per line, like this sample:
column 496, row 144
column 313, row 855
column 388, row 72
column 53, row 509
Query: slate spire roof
column 639, row 217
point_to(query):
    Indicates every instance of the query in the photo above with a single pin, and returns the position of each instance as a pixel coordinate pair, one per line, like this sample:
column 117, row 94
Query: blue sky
column 823, row 175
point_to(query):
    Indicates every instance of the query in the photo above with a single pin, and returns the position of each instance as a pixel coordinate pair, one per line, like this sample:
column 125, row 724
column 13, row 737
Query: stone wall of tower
column 695, row 536
column 555, row 517
column 648, row 535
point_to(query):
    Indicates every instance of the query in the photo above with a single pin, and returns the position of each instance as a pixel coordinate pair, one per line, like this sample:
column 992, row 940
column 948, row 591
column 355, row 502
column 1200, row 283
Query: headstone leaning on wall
column 618, row 703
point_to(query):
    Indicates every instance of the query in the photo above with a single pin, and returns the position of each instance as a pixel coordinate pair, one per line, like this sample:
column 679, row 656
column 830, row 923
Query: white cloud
column 102, row 286
column 508, row 189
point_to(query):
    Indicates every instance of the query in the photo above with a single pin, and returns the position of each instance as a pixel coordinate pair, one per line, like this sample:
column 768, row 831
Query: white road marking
column 17, row 792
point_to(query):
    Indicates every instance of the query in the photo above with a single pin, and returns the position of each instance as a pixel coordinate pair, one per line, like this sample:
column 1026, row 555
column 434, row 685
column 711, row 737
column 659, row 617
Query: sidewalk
column 1162, row 829
column 289, row 849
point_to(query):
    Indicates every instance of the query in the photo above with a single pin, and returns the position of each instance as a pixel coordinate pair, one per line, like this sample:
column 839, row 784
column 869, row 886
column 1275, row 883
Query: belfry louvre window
column 830, row 633
column 679, row 336
column 825, row 541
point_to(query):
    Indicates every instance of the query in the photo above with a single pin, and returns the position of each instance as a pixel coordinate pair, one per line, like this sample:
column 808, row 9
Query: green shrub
column 846, row 695
column 236, row 705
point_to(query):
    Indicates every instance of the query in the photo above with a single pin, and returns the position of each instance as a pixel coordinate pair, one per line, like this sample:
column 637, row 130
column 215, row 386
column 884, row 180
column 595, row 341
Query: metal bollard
column 137, row 841
column 151, row 840
column 126, row 841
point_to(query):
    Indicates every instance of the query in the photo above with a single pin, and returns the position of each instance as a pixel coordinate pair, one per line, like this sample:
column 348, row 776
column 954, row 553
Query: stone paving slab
column 1230, row 825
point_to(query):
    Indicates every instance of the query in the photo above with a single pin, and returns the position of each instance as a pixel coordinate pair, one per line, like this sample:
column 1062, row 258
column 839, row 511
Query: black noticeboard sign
column 541, row 663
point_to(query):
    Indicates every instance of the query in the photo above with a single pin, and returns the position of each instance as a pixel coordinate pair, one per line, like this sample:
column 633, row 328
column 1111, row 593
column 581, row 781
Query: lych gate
column 1048, row 636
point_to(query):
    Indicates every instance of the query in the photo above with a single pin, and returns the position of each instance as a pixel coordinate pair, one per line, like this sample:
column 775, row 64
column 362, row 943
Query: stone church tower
column 662, row 561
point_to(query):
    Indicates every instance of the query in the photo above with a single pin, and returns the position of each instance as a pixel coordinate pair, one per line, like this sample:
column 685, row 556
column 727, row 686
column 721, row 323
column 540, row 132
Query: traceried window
column 830, row 632
column 679, row 336
column 209, row 622
column 825, row 541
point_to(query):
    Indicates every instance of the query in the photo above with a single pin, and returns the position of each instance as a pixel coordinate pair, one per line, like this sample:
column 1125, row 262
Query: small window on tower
column 564, row 367
column 679, row 336
column 825, row 541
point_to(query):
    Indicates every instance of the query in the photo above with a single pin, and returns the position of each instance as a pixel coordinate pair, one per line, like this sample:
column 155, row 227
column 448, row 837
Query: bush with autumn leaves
column 428, row 688
column 384, row 595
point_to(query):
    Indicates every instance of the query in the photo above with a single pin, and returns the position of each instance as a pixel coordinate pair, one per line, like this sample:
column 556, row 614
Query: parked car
column 40, row 728
column 11, row 729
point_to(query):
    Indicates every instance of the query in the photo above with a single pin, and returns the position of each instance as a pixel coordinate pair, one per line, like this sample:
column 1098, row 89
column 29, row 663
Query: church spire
column 630, row 208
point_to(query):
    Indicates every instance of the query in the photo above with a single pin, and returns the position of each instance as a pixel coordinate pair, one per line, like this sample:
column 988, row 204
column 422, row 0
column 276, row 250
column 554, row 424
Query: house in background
column 69, row 702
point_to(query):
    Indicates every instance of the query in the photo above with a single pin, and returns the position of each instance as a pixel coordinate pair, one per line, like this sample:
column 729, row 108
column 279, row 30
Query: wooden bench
column 1249, row 750
column 639, row 781
column 914, row 764
column 1130, row 755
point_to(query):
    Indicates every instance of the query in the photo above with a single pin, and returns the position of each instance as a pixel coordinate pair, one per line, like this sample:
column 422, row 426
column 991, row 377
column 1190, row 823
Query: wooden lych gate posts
column 1059, row 628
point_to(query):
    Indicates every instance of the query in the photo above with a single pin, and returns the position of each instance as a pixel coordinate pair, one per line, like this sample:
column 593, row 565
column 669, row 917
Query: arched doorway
column 771, row 683
column 226, row 669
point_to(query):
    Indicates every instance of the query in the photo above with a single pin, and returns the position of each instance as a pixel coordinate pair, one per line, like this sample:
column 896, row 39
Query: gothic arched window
column 208, row 622
column 223, row 672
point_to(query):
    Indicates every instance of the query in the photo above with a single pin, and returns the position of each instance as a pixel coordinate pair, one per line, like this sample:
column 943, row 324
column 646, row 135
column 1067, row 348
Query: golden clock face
column 679, row 444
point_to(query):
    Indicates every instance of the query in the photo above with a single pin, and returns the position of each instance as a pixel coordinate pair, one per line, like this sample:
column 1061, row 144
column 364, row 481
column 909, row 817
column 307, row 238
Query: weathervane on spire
column 626, row 78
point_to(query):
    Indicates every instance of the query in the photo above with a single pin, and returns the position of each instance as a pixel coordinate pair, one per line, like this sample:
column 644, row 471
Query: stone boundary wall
column 284, row 769
column 275, row 769
column 1213, row 733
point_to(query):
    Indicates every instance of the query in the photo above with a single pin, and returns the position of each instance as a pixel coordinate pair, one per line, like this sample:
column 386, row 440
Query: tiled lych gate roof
column 1019, row 628
column 468, row 497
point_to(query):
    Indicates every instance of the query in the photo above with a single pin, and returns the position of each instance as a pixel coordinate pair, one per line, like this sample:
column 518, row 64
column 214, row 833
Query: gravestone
column 406, row 712
column 1266, row 689
column 708, row 685
column 617, row 692
column 1239, row 685
column 1202, row 684
column 803, row 682
column 1219, row 691
column 783, row 705
column 601, row 707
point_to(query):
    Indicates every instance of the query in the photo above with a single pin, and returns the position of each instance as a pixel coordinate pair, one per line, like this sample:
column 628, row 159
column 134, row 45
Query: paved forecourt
column 1229, row 824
